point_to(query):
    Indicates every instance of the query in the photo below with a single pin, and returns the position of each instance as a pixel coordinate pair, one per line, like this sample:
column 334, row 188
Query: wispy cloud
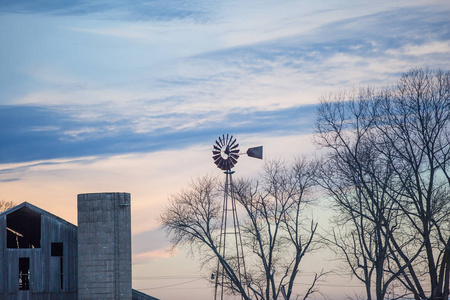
column 245, row 76
column 9, row 179
column 427, row 48
column 143, row 10
column 39, row 133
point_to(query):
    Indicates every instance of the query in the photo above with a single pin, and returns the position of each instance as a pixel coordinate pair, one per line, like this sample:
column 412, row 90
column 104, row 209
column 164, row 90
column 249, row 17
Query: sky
column 129, row 96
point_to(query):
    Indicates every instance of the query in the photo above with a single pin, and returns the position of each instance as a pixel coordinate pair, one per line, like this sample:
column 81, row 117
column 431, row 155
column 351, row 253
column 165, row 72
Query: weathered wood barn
column 38, row 256
column 40, row 252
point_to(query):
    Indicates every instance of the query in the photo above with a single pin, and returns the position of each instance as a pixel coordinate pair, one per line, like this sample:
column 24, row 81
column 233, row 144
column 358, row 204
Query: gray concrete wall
column 104, row 246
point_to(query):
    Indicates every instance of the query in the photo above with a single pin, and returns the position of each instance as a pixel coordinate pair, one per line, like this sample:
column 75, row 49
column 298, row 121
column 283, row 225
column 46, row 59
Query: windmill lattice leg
column 231, row 246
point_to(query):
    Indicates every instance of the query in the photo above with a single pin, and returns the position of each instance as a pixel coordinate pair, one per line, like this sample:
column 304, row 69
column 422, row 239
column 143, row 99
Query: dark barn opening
column 23, row 229
column 24, row 273
column 58, row 251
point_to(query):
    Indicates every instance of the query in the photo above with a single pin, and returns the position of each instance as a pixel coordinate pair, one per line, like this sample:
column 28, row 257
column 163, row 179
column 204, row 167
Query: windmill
column 225, row 155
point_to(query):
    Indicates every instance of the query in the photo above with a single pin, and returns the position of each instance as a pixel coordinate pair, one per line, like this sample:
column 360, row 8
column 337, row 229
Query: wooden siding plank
column 3, row 262
column 12, row 261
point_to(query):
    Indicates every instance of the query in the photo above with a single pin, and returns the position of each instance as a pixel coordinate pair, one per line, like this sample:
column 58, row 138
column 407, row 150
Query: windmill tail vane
column 256, row 152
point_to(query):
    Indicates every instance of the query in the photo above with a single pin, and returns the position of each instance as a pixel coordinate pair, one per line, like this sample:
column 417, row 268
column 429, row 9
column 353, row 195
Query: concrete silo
column 104, row 246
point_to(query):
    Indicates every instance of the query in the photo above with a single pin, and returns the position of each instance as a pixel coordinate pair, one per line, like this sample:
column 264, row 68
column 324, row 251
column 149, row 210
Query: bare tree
column 275, row 234
column 5, row 205
column 355, row 177
column 413, row 123
column 388, row 171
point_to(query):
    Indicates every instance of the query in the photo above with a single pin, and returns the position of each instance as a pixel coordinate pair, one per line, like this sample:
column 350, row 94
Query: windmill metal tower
column 230, row 248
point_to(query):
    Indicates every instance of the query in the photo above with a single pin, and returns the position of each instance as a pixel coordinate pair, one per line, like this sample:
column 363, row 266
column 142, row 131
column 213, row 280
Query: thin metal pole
column 241, row 268
column 225, row 231
column 222, row 242
column 238, row 239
